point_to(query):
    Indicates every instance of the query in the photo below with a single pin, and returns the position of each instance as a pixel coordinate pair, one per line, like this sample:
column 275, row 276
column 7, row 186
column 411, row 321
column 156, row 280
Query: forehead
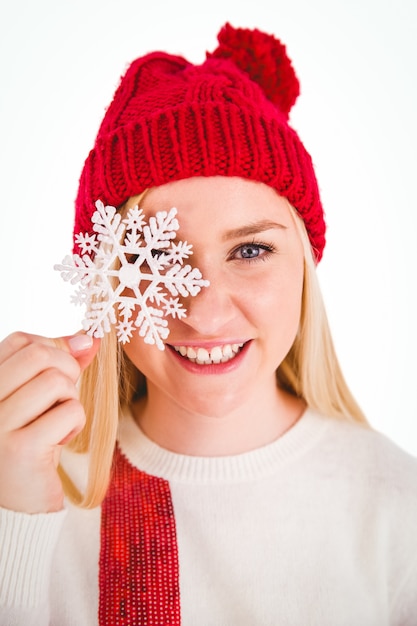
column 219, row 200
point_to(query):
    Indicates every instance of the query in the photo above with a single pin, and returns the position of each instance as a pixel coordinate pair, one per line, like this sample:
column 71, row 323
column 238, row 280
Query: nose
column 212, row 311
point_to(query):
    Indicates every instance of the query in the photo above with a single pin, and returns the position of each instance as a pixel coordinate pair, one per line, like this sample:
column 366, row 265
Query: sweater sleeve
column 405, row 607
column 27, row 544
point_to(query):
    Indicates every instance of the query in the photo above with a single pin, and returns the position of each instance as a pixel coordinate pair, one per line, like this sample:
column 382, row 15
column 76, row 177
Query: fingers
column 80, row 345
column 24, row 356
column 39, row 412
column 60, row 424
column 29, row 361
column 83, row 347
column 17, row 341
column 35, row 397
column 36, row 373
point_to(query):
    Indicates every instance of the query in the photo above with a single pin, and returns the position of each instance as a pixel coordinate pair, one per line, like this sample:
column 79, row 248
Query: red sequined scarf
column 138, row 570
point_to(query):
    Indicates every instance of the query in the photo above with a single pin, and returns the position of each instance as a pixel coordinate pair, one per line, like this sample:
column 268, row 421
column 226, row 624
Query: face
column 237, row 331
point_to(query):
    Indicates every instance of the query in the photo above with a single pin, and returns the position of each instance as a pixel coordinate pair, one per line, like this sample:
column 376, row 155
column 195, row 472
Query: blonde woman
column 225, row 475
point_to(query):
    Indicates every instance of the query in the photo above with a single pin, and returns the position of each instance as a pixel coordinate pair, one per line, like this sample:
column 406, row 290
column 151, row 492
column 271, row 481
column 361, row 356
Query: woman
column 228, row 477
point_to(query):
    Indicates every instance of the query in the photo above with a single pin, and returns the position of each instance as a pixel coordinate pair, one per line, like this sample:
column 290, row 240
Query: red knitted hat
column 170, row 120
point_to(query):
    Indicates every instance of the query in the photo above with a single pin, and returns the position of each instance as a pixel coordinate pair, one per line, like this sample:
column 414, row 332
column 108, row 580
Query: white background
column 60, row 62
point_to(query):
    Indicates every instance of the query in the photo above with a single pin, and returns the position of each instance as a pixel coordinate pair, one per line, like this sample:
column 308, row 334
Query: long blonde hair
column 310, row 371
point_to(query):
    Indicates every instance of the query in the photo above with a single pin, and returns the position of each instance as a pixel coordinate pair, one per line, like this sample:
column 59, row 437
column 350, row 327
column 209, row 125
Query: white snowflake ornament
column 131, row 274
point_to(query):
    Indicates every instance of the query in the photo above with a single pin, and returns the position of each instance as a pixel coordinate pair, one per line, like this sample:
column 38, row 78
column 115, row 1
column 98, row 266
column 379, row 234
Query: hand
column 39, row 412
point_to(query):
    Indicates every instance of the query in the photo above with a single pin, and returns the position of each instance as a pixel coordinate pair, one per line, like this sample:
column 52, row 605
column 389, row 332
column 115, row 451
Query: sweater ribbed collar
column 149, row 457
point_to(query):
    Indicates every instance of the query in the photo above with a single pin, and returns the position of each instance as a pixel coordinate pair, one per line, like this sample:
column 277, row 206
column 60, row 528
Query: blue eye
column 252, row 251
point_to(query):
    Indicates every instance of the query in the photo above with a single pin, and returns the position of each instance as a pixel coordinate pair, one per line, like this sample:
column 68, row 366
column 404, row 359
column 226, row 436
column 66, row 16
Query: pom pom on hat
column 265, row 59
column 171, row 119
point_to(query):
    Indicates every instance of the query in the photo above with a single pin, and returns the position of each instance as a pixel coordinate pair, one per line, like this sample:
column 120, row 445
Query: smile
column 202, row 356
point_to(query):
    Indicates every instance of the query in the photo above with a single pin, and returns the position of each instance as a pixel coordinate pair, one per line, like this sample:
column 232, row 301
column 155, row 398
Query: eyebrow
column 251, row 229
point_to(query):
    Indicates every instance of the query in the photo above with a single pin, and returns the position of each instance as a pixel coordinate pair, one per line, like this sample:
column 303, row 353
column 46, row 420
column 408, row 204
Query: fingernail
column 78, row 343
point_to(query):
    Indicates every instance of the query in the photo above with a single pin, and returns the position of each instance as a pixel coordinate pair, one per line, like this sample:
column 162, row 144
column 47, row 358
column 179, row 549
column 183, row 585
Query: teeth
column 216, row 354
column 191, row 353
column 227, row 352
column 202, row 356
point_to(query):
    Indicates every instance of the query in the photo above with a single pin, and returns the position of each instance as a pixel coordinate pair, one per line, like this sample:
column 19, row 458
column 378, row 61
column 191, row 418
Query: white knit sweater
column 316, row 529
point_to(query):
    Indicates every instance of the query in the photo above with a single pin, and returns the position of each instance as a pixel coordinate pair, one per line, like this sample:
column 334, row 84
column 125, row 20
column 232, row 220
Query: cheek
column 277, row 302
column 280, row 288
column 141, row 355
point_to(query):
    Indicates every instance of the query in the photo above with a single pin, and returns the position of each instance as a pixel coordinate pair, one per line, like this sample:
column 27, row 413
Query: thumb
column 82, row 347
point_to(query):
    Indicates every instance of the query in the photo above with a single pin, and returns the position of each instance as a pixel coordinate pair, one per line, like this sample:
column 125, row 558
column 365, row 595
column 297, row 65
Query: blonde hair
column 310, row 371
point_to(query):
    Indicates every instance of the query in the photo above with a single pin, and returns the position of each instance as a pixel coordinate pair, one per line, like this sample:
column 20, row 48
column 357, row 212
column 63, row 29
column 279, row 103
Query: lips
column 214, row 355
